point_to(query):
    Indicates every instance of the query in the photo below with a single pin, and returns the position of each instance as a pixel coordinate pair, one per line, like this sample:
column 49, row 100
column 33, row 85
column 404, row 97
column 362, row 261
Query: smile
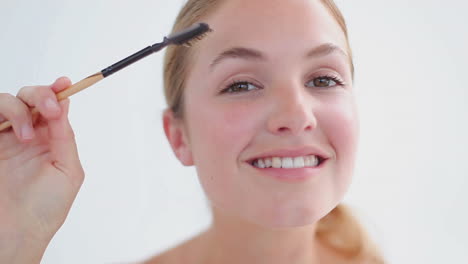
column 290, row 169
column 309, row 161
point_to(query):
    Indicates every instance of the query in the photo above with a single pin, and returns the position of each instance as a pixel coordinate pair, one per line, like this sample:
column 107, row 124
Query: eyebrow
column 252, row 54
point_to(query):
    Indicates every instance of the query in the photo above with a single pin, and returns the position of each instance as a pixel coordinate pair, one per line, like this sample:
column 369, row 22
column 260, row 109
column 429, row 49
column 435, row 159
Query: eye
column 239, row 86
column 325, row 81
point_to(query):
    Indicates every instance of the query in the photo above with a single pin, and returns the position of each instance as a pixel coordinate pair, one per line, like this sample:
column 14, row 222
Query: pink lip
column 292, row 175
column 303, row 151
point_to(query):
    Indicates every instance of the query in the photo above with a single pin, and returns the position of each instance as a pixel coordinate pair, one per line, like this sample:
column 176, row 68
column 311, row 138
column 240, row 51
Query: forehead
column 277, row 27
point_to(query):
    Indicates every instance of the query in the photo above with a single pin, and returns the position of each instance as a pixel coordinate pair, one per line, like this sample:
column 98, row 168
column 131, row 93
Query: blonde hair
column 339, row 230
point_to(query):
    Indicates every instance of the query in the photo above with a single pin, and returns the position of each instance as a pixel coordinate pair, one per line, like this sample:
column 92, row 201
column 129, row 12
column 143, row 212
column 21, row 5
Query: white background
column 137, row 200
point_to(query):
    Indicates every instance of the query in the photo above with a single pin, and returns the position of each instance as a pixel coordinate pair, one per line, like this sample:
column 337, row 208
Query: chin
column 291, row 217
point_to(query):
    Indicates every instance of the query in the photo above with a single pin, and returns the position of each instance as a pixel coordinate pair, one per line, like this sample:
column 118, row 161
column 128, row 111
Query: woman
column 263, row 107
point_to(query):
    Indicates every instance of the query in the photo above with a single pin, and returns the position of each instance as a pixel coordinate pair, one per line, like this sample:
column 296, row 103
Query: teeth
column 314, row 161
column 311, row 161
column 287, row 162
column 260, row 163
column 275, row 162
column 299, row 162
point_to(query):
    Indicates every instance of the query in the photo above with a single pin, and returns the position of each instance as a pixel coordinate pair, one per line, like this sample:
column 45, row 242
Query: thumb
column 64, row 152
column 60, row 84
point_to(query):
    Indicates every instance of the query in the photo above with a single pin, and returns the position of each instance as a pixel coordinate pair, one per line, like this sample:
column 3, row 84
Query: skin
column 256, row 219
column 259, row 219
column 40, row 174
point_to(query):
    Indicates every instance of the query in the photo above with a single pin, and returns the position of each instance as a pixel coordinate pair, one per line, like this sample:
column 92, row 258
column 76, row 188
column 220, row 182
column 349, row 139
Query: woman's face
column 290, row 59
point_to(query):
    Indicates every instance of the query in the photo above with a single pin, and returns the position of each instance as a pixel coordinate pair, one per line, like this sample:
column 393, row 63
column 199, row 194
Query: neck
column 231, row 240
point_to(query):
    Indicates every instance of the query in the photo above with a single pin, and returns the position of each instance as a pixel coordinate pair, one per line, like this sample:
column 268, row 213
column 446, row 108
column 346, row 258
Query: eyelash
column 333, row 78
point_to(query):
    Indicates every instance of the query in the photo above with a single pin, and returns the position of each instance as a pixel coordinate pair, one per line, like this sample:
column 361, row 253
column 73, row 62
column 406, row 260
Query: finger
column 13, row 109
column 43, row 97
column 61, row 84
column 63, row 146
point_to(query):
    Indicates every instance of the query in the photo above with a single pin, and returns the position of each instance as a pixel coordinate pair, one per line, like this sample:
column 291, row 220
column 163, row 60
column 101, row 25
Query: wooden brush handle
column 75, row 88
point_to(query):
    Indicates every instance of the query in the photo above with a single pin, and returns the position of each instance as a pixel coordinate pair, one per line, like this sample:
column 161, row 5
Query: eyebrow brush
column 186, row 37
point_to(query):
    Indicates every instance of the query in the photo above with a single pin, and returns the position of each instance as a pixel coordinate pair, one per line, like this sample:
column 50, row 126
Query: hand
column 40, row 171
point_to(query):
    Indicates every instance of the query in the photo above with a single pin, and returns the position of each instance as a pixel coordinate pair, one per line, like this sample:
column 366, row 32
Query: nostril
column 281, row 129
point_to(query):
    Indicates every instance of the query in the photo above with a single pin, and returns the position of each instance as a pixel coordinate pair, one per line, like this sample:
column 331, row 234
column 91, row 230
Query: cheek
column 225, row 127
column 342, row 126
column 340, row 123
column 219, row 133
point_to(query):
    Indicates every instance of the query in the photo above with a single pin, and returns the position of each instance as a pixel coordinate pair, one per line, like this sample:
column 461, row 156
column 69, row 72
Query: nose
column 292, row 111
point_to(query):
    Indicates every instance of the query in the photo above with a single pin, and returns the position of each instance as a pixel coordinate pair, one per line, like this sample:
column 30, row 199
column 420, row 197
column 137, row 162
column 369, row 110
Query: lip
column 292, row 175
column 296, row 152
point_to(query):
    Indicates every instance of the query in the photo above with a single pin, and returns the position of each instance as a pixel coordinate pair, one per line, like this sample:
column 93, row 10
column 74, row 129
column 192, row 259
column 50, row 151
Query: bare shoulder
column 170, row 256
column 167, row 257
column 328, row 255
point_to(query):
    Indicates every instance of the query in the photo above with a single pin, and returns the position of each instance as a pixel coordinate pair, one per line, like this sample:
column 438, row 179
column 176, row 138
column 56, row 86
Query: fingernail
column 52, row 105
column 27, row 132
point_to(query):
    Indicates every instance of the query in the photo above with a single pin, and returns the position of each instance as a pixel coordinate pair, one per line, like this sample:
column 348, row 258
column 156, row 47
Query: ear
column 177, row 137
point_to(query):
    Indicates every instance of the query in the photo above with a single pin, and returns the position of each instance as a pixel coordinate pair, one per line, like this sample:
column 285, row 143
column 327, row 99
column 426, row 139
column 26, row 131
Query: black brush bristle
column 189, row 36
column 192, row 41
column 185, row 37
